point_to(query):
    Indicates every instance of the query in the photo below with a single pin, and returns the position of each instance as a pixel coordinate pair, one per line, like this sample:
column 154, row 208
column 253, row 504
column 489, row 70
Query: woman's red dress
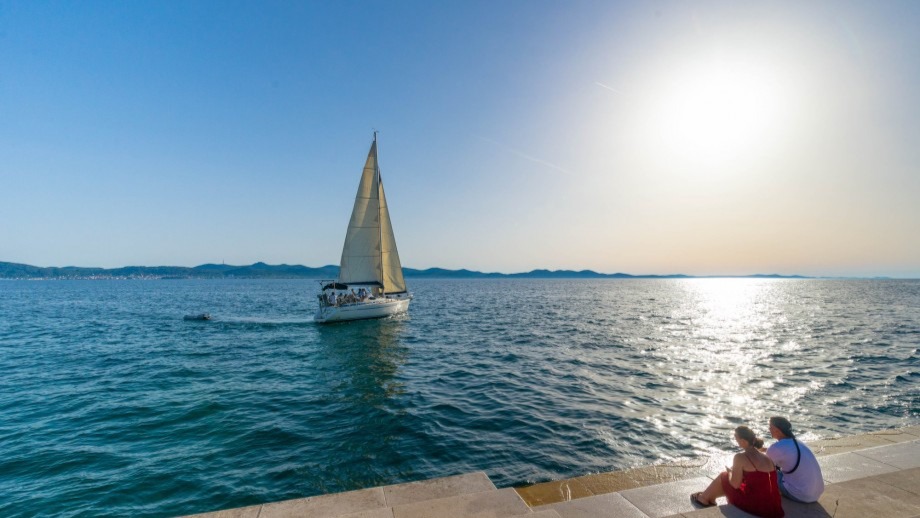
column 758, row 494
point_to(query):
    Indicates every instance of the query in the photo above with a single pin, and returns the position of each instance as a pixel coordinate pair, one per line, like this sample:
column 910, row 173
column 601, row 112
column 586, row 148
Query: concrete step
column 411, row 492
column 327, row 506
column 665, row 499
column 548, row 513
column 610, row 505
column 366, row 503
column 385, row 512
column 499, row 503
column 904, row 455
column 239, row 512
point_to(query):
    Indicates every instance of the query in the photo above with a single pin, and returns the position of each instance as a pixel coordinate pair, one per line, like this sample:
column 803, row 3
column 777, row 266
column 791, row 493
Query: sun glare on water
column 730, row 346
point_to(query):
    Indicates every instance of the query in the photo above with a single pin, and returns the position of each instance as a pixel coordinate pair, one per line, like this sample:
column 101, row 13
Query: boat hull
column 362, row 310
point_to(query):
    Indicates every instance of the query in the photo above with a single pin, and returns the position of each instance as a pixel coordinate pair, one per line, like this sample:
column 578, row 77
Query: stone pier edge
column 532, row 497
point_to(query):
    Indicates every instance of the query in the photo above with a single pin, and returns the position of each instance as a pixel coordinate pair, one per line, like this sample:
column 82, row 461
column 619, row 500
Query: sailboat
column 370, row 282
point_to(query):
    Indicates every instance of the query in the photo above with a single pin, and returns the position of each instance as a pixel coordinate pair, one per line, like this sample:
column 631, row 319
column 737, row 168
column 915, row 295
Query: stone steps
column 881, row 481
column 472, row 495
column 499, row 503
column 411, row 492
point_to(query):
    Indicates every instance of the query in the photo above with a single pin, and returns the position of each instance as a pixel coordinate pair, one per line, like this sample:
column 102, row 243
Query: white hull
column 362, row 310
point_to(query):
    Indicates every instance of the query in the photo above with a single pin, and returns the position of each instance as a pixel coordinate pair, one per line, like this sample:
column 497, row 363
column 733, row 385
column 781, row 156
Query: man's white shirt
column 806, row 483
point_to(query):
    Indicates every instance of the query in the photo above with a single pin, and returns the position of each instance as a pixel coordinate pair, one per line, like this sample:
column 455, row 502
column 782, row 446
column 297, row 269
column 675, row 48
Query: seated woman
column 750, row 484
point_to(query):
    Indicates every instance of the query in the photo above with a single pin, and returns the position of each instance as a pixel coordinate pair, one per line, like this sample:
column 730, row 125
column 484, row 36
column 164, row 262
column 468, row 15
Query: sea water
column 111, row 404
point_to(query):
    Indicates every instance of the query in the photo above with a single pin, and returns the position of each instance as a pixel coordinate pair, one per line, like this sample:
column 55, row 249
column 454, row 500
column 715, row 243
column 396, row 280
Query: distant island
column 284, row 271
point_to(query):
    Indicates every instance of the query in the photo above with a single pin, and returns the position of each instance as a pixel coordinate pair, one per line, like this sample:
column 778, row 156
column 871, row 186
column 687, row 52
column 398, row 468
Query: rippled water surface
column 111, row 404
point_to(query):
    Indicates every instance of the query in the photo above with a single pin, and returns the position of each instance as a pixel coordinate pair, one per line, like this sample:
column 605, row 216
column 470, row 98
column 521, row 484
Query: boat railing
column 324, row 303
column 341, row 301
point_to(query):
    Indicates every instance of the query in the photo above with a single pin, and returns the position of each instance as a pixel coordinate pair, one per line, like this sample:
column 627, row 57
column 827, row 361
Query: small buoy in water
column 202, row 316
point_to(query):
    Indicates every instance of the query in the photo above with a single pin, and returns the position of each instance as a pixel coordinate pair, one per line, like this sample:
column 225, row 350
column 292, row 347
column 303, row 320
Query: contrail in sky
column 602, row 85
column 525, row 156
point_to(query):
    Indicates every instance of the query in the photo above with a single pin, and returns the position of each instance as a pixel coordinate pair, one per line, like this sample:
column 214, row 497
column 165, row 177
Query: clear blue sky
column 642, row 137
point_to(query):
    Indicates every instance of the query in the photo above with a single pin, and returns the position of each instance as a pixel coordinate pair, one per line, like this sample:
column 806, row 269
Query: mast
column 383, row 289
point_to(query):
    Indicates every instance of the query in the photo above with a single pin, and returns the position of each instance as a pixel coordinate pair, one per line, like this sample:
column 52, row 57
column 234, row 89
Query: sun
column 715, row 111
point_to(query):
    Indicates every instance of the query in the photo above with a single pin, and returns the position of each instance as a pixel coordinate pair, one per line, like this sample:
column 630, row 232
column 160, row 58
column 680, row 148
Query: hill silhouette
column 261, row 270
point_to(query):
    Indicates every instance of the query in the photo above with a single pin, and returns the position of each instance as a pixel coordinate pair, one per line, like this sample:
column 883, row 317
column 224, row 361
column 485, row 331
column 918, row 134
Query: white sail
column 369, row 255
column 393, row 281
column 361, row 261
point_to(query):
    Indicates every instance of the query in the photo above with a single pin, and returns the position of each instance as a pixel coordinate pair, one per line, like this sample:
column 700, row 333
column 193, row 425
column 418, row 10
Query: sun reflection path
column 724, row 335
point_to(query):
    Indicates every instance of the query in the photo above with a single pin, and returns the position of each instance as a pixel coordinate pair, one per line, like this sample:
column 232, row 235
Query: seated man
column 800, row 478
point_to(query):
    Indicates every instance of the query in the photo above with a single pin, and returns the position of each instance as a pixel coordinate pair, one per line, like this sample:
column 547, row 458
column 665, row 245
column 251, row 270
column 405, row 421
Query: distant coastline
column 283, row 271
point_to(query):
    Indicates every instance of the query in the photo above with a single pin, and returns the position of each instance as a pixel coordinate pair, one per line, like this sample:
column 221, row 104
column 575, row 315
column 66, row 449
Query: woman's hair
column 743, row 432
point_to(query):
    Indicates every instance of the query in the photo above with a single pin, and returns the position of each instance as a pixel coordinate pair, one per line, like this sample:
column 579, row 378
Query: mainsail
column 369, row 255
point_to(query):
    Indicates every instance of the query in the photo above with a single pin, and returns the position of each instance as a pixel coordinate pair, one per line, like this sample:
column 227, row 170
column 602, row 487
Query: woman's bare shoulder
column 745, row 462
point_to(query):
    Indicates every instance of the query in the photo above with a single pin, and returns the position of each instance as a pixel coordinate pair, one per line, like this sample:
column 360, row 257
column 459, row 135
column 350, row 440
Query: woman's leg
column 714, row 490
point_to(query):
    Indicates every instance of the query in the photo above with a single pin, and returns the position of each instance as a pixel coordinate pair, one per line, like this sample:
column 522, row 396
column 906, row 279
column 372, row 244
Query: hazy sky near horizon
column 640, row 137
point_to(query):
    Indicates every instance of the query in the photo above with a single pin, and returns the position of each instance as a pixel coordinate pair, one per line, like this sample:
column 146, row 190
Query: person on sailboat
column 332, row 298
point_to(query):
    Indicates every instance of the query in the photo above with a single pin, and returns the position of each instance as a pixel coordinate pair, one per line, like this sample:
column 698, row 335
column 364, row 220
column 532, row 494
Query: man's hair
column 783, row 425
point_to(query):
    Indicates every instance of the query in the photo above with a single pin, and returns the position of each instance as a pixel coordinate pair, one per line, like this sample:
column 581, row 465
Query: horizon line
column 561, row 270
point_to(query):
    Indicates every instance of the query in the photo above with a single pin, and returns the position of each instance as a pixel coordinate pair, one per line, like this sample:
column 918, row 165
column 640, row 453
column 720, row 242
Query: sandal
column 695, row 499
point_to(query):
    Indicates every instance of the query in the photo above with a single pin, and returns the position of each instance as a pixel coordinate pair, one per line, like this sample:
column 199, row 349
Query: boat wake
column 263, row 321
